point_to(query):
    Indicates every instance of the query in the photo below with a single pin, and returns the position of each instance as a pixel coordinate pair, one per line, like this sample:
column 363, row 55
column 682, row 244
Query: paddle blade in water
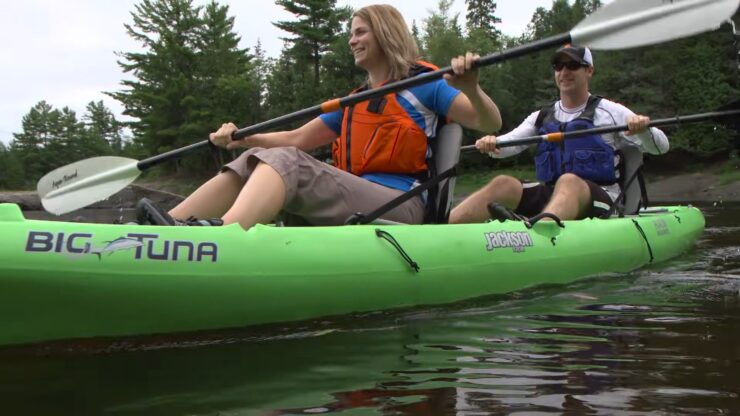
column 82, row 183
column 632, row 23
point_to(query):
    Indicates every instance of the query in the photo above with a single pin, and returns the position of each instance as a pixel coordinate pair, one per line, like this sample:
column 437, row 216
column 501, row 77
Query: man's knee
column 571, row 183
column 505, row 185
column 569, row 179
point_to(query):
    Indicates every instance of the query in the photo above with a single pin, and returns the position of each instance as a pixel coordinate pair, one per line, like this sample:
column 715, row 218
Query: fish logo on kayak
column 146, row 246
column 517, row 241
column 120, row 243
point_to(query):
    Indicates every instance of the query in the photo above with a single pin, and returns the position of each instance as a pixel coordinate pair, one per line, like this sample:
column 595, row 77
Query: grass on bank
column 469, row 182
column 729, row 172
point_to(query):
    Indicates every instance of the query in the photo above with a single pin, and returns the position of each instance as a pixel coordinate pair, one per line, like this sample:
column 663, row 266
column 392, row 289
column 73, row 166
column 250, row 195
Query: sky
column 64, row 51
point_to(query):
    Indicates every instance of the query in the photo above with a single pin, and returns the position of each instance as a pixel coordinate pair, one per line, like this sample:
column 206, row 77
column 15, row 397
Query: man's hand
column 487, row 144
column 637, row 124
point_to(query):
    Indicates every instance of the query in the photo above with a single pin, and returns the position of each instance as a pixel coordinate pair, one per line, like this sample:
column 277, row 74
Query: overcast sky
column 63, row 51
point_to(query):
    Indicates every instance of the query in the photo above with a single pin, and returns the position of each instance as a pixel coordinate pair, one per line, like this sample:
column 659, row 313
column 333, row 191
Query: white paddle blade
column 632, row 23
column 82, row 183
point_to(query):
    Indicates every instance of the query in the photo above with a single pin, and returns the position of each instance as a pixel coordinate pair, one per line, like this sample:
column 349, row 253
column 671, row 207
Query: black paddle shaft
column 553, row 41
column 727, row 115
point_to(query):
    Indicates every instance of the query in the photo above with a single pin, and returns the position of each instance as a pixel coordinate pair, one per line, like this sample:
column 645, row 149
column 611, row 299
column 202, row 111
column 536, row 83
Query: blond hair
column 393, row 35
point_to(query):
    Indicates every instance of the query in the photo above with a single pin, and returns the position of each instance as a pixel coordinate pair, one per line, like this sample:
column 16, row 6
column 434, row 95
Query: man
column 577, row 178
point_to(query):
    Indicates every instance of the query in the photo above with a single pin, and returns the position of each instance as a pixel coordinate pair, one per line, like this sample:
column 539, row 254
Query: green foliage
column 340, row 74
column 443, row 37
column 471, row 181
column 318, row 49
column 319, row 22
column 52, row 138
column 102, row 127
column 481, row 18
column 11, row 169
column 190, row 75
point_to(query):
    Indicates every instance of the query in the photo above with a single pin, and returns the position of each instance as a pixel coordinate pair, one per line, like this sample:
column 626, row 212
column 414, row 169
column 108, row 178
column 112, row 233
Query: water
column 663, row 340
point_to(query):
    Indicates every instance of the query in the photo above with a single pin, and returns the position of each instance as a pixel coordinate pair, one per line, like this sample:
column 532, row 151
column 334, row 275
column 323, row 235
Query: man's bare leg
column 504, row 189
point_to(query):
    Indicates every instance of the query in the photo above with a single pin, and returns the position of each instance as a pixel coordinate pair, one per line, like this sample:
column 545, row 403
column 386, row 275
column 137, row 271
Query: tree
column 228, row 84
column 11, row 169
column 481, row 18
column 262, row 67
column 160, row 95
column 102, row 127
column 37, row 132
column 319, row 22
column 442, row 35
column 191, row 77
column 67, row 143
column 340, row 74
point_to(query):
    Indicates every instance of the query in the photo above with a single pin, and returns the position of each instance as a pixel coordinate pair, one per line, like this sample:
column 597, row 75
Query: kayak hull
column 62, row 281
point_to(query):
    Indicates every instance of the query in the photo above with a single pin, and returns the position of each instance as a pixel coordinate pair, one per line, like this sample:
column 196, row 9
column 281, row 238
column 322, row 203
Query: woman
column 276, row 174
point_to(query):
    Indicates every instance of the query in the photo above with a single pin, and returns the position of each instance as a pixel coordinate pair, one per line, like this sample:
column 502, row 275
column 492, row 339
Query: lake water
column 662, row 340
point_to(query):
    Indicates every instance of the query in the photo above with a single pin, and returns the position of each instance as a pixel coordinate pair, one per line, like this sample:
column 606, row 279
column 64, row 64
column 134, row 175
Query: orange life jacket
column 379, row 136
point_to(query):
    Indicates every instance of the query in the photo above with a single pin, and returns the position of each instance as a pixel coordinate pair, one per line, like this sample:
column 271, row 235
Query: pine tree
column 481, row 18
column 12, row 175
column 340, row 74
column 37, row 132
column 319, row 22
column 159, row 97
column 228, row 90
column 102, row 127
column 443, row 35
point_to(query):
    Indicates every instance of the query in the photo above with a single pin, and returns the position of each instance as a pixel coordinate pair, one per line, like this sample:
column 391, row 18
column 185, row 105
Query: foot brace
column 501, row 213
column 148, row 212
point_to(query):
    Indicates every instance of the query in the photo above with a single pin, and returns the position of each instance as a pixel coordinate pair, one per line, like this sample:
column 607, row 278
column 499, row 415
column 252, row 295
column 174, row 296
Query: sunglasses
column 571, row 65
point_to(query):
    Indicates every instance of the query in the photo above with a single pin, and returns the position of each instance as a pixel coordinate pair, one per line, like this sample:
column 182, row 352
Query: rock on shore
column 124, row 199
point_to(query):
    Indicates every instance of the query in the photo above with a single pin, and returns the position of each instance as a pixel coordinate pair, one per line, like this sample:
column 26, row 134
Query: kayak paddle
column 618, row 25
column 560, row 136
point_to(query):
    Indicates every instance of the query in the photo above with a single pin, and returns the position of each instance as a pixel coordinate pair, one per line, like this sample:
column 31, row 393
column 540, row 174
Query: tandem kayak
column 71, row 281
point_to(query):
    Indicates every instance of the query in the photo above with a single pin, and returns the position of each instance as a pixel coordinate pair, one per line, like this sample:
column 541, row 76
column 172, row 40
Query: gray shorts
column 321, row 194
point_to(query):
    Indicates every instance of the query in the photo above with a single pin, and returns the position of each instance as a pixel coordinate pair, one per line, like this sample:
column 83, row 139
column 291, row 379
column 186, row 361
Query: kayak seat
column 633, row 195
column 444, row 153
column 445, row 147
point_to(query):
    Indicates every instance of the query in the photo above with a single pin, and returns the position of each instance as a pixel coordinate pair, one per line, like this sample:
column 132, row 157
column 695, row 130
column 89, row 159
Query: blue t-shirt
column 424, row 104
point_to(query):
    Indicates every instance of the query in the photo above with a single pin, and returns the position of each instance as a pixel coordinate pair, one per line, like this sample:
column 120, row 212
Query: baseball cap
column 579, row 54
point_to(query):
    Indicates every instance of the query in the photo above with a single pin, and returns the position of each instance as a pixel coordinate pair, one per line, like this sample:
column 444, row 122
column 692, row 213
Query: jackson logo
column 65, row 178
column 661, row 227
column 517, row 241
column 145, row 246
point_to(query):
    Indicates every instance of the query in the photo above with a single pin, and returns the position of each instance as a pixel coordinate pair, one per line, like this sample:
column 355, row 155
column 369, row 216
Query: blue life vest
column 588, row 157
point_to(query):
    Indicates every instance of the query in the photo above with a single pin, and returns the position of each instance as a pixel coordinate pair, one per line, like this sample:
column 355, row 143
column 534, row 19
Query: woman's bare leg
column 212, row 199
column 260, row 200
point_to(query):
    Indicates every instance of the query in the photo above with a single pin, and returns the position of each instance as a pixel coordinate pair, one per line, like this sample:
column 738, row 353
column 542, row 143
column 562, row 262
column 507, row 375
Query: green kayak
column 69, row 281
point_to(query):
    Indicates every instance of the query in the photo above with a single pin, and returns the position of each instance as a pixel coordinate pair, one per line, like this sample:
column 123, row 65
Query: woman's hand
column 222, row 137
column 465, row 76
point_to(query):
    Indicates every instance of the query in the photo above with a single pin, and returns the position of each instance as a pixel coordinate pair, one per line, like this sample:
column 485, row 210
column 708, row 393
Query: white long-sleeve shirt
column 607, row 113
